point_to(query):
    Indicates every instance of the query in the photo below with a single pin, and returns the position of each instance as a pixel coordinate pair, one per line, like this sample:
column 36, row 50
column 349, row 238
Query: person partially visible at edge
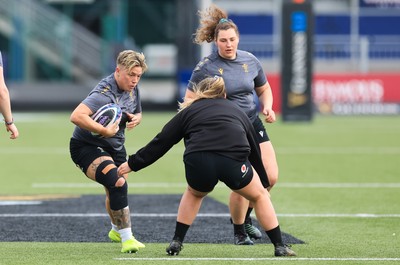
column 5, row 105
column 99, row 156
column 220, row 145
column 243, row 75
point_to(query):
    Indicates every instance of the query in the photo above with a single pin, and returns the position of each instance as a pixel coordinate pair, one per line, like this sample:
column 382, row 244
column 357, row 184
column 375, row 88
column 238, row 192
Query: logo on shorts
column 100, row 149
column 261, row 133
column 244, row 170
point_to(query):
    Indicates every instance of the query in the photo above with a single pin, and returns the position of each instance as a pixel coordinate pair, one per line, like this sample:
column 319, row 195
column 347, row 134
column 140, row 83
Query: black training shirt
column 213, row 125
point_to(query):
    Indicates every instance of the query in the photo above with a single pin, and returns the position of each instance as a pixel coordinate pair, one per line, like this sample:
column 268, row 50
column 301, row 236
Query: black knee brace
column 106, row 174
column 118, row 197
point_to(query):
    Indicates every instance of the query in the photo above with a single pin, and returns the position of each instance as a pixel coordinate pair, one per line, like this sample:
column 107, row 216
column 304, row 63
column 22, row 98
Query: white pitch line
column 392, row 150
column 283, row 150
column 35, row 150
column 215, row 215
column 134, row 185
column 66, row 185
column 96, row 185
column 338, row 185
column 260, row 259
column 338, row 215
column 3, row 203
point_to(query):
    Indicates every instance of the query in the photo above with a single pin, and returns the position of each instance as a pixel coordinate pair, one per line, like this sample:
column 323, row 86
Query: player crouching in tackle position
column 99, row 156
column 220, row 145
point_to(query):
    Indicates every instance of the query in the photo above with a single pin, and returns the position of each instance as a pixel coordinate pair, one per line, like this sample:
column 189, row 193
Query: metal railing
column 364, row 52
column 54, row 37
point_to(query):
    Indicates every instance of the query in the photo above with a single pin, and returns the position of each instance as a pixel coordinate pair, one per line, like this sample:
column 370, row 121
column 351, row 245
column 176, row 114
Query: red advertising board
column 346, row 94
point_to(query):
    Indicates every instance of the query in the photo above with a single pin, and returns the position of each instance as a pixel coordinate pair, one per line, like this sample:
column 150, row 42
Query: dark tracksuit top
column 211, row 125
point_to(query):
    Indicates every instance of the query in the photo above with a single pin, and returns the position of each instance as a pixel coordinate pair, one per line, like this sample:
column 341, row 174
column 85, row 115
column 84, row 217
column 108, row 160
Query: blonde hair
column 212, row 20
column 130, row 59
column 210, row 87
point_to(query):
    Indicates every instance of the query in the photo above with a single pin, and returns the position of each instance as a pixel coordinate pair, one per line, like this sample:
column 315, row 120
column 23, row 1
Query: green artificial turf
column 338, row 190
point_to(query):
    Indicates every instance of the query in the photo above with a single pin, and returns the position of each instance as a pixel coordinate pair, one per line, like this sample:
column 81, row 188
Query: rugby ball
column 107, row 115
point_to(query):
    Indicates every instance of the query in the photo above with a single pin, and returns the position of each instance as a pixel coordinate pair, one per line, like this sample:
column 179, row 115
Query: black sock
column 275, row 236
column 239, row 229
column 180, row 231
column 249, row 210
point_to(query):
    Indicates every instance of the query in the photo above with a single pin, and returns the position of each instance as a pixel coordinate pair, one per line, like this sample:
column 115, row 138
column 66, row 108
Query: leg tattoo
column 122, row 218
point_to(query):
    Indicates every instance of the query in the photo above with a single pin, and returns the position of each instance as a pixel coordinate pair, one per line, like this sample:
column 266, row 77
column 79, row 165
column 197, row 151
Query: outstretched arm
column 170, row 135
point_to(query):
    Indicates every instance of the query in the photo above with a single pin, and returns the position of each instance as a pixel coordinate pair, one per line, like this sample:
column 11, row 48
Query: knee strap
column 106, row 174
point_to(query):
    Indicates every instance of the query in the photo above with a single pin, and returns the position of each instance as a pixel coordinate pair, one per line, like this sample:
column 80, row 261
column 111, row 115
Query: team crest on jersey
column 221, row 71
column 245, row 68
column 105, row 89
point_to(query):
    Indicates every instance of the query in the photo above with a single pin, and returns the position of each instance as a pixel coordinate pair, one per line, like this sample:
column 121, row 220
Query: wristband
column 9, row 122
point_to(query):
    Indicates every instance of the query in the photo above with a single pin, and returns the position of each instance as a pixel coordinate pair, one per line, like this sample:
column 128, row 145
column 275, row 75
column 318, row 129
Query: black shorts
column 262, row 135
column 205, row 169
column 84, row 154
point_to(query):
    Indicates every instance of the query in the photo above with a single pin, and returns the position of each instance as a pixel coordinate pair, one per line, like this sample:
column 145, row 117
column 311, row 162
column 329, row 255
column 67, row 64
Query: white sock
column 114, row 227
column 125, row 234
